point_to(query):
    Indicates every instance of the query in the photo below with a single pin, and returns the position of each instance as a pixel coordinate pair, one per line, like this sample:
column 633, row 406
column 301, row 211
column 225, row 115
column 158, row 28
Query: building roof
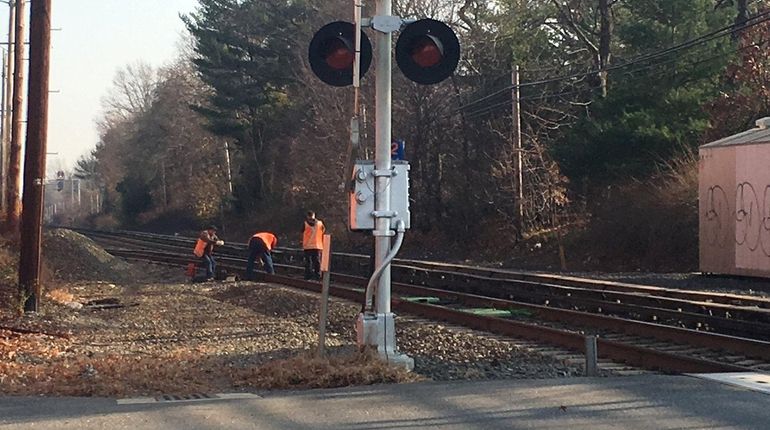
column 760, row 134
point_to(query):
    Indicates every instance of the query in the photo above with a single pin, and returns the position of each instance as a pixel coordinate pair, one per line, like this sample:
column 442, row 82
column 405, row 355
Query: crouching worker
column 260, row 246
column 204, row 249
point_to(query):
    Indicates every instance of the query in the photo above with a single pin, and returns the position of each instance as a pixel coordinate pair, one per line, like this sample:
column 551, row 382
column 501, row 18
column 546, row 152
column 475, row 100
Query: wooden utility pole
column 3, row 131
column 518, row 164
column 7, row 102
column 34, row 160
column 13, row 184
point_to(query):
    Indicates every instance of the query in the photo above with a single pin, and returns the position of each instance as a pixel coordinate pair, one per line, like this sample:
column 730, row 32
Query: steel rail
column 712, row 300
column 632, row 354
column 743, row 322
column 618, row 351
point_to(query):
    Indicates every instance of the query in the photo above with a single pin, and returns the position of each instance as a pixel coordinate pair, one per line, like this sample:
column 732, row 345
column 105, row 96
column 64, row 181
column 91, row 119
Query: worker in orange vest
column 204, row 249
column 312, row 243
column 260, row 246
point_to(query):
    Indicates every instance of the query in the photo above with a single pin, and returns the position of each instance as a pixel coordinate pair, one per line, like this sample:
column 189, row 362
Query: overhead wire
column 491, row 108
column 722, row 32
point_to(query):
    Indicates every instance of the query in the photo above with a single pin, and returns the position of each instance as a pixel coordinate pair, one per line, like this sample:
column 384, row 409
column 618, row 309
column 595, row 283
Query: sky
column 91, row 40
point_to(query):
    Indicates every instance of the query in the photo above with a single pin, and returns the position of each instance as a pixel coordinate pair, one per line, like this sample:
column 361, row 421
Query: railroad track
column 731, row 314
column 650, row 345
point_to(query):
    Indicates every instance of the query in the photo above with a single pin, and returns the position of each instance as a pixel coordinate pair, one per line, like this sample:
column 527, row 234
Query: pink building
column 734, row 203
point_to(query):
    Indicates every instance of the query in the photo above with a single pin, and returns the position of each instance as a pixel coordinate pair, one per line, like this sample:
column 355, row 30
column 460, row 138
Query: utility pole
column 34, row 167
column 518, row 164
column 13, row 183
column 7, row 101
column 3, row 132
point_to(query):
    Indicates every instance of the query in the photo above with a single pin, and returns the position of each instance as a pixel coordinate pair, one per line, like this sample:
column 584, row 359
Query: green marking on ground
column 500, row 313
column 489, row 312
column 521, row 312
column 430, row 300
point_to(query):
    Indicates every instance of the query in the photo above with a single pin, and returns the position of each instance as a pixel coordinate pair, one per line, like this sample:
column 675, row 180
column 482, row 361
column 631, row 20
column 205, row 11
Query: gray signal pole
column 378, row 328
column 382, row 232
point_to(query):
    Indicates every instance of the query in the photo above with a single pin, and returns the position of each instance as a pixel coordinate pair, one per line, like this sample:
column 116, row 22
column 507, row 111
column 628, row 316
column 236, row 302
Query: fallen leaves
column 309, row 371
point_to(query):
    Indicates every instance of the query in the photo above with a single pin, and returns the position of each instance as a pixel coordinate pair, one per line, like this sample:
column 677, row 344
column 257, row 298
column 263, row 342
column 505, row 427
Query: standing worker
column 204, row 249
column 260, row 246
column 312, row 243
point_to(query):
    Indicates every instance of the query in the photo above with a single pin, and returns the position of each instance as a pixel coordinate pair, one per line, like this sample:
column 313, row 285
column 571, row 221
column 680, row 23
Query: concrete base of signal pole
column 377, row 329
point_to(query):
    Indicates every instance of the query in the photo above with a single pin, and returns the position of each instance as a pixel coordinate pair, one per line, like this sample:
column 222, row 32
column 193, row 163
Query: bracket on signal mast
column 367, row 22
column 384, row 214
column 384, row 173
column 387, row 24
column 381, row 233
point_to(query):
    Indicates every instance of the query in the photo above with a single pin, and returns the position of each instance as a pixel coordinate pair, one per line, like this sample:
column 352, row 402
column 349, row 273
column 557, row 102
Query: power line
column 491, row 108
column 684, row 45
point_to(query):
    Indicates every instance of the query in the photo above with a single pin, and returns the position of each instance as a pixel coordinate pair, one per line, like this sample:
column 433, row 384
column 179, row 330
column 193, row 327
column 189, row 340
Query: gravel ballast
column 175, row 337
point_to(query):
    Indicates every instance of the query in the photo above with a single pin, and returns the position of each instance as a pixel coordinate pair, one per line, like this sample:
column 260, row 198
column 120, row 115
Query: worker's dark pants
column 312, row 264
column 209, row 264
column 257, row 248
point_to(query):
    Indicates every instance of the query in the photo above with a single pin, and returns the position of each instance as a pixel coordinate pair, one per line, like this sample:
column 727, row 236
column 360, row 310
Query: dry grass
column 308, row 371
column 39, row 364
column 648, row 225
column 60, row 295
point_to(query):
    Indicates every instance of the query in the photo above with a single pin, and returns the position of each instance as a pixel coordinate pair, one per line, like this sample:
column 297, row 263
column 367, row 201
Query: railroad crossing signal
column 59, row 180
column 332, row 52
column 427, row 52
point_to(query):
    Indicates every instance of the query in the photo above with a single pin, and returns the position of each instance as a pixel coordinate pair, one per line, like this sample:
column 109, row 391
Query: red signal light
column 332, row 52
column 427, row 51
column 339, row 55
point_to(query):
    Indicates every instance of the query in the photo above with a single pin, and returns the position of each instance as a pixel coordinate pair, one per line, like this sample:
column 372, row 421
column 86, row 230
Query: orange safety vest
column 202, row 245
column 269, row 240
column 200, row 248
column 312, row 237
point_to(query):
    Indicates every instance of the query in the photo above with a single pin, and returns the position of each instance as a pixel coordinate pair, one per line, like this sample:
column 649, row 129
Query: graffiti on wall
column 750, row 214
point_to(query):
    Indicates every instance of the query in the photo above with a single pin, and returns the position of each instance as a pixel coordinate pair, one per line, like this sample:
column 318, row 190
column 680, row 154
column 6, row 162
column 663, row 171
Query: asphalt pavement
column 637, row 402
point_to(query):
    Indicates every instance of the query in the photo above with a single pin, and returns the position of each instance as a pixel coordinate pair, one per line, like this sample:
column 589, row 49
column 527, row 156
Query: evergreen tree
column 654, row 107
column 243, row 52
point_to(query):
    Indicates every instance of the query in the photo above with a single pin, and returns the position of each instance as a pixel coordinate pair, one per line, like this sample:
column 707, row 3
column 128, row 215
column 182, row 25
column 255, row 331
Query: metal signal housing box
column 362, row 213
